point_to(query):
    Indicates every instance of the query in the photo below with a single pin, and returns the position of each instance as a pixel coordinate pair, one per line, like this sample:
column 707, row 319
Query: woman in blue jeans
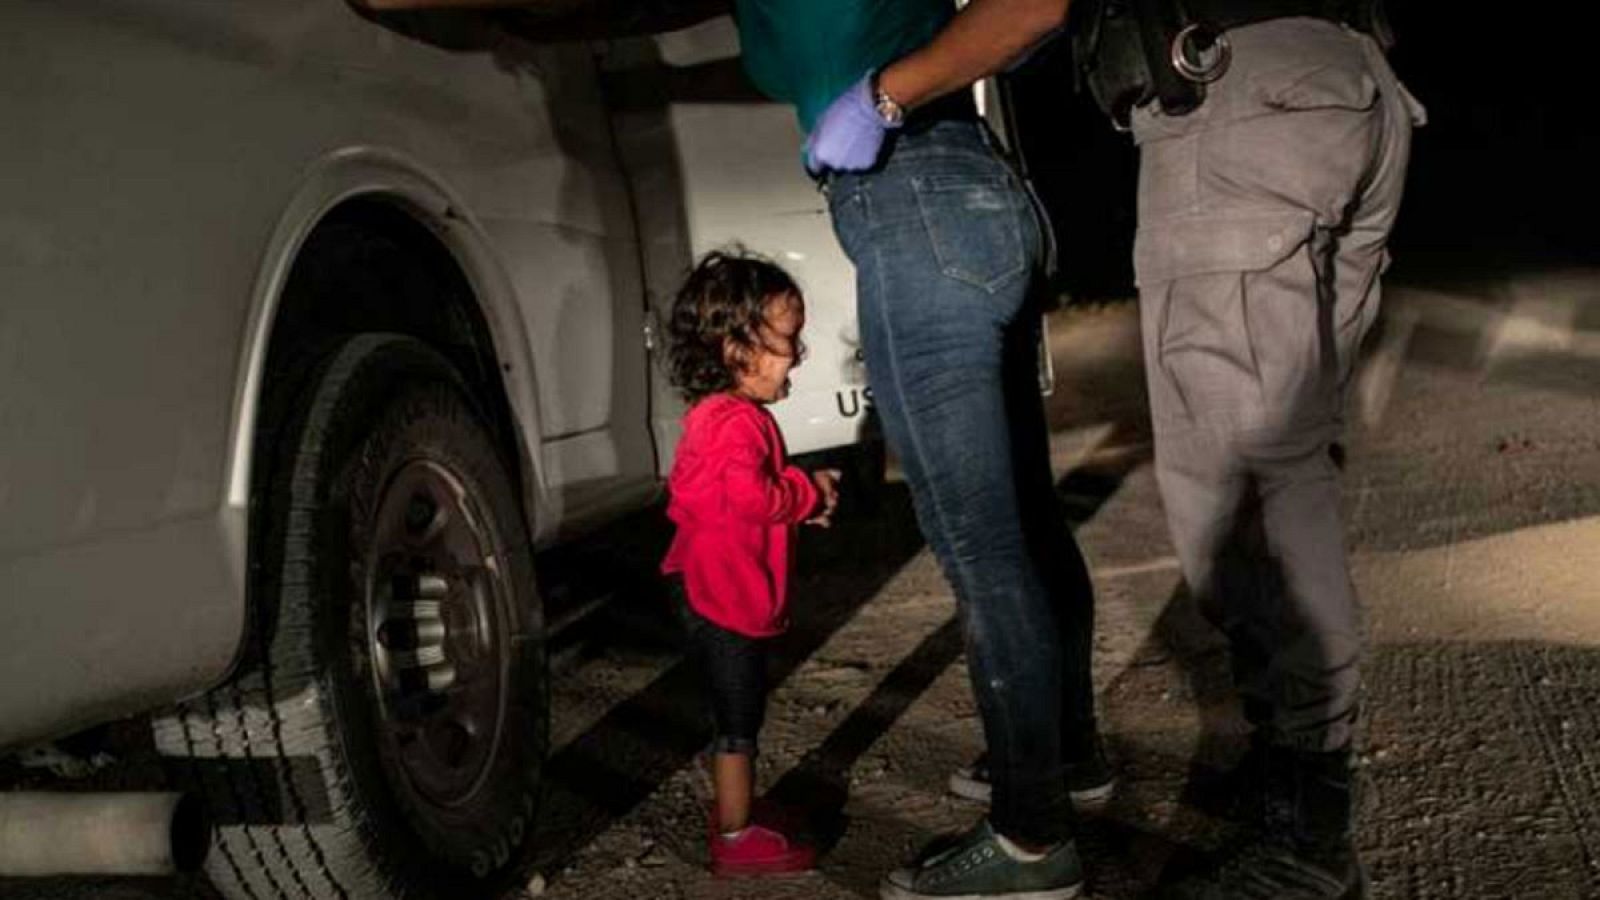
column 947, row 249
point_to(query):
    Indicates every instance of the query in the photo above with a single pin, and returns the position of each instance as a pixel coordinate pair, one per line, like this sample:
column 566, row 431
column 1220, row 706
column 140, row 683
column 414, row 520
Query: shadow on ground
column 1479, row 764
column 627, row 754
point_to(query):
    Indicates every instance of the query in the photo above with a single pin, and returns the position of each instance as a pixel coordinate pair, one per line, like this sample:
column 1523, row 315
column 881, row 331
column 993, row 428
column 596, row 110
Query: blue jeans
column 947, row 253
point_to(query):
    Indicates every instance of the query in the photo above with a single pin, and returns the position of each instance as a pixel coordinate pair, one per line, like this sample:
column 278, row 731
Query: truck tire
column 384, row 731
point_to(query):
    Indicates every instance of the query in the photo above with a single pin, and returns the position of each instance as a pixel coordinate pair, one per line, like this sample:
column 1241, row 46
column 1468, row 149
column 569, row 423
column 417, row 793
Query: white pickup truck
column 314, row 326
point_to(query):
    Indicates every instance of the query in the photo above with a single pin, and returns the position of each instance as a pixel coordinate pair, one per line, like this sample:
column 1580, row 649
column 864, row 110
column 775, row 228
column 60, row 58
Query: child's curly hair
column 724, row 299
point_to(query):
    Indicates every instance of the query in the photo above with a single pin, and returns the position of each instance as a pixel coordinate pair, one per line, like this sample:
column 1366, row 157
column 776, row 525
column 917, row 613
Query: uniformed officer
column 1273, row 141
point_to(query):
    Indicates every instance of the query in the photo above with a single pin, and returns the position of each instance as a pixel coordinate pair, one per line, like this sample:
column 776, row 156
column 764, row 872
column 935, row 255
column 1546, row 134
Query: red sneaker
column 759, row 850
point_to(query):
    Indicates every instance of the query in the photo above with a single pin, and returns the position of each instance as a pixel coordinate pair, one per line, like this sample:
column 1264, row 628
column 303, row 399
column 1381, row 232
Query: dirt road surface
column 1473, row 508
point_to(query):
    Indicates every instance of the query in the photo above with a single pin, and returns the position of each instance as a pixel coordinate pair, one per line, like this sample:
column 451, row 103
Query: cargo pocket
column 1178, row 246
column 1233, row 316
column 1318, row 87
column 973, row 225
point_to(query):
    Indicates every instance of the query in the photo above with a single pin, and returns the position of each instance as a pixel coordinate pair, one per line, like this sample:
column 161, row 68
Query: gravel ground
column 1473, row 498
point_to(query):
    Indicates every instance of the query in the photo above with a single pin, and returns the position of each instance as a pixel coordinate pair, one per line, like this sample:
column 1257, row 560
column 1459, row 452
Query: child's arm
column 753, row 491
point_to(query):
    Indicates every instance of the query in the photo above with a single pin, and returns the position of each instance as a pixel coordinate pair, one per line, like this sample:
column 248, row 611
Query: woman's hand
column 849, row 134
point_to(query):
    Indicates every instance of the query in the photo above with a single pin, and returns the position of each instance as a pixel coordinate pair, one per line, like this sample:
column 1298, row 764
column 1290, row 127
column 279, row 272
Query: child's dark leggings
column 735, row 671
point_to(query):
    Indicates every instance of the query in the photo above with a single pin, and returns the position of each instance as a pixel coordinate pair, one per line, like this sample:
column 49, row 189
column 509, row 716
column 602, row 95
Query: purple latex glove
column 848, row 134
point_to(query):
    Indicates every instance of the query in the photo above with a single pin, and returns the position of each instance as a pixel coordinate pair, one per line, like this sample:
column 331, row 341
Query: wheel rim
column 438, row 630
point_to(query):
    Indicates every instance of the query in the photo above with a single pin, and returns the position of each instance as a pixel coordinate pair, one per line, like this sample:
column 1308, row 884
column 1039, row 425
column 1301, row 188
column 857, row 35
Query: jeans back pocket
column 974, row 225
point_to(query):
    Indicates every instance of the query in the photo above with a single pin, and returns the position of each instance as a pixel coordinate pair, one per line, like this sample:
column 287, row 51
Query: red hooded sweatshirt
column 735, row 500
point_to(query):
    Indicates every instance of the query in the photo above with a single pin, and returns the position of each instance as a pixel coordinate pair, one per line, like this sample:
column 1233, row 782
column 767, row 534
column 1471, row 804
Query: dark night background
column 1502, row 174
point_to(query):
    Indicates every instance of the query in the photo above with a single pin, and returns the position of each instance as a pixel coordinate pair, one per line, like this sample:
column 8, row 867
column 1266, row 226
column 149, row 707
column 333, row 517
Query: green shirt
column 807, row 52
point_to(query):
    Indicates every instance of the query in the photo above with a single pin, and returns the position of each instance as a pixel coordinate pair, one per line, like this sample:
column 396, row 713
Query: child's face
column 763, row 373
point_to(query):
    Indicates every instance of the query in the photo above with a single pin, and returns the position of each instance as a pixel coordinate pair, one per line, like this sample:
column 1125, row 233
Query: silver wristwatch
column 889, row 109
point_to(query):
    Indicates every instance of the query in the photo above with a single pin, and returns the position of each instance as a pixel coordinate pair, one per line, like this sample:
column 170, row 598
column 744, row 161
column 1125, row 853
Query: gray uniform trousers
column 1263, row 219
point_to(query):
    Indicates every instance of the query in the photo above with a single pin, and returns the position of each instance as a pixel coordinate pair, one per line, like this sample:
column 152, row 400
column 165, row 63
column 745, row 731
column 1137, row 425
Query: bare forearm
column 982, row 39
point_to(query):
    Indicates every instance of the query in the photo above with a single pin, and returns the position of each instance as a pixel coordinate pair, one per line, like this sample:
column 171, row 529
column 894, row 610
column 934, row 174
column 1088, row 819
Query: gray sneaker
column 1089, row 781
column 976, row 867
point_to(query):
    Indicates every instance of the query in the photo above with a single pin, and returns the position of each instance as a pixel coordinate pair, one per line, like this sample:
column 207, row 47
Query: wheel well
column 372, row 265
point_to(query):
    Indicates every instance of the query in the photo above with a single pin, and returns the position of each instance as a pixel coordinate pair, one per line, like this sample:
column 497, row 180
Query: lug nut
column 440, row 677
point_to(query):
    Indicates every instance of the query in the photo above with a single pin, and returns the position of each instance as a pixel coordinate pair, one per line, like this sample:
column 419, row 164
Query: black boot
column 1305, row 850
column 1238, row 794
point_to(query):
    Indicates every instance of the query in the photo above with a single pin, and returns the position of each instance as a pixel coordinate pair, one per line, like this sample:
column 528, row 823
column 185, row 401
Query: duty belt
column 1131, row 52
column 1206, row 23
column 1223, row 15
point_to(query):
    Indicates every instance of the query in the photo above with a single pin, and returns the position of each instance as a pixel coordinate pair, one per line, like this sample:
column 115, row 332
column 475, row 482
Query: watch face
column 888, row 110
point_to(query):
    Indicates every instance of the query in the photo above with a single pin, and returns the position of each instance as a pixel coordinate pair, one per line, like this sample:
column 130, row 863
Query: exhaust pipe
column 101, row 834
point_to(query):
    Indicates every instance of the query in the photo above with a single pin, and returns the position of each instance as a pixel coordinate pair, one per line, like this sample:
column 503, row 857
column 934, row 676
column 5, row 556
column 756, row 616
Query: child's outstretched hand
column 827, row 481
